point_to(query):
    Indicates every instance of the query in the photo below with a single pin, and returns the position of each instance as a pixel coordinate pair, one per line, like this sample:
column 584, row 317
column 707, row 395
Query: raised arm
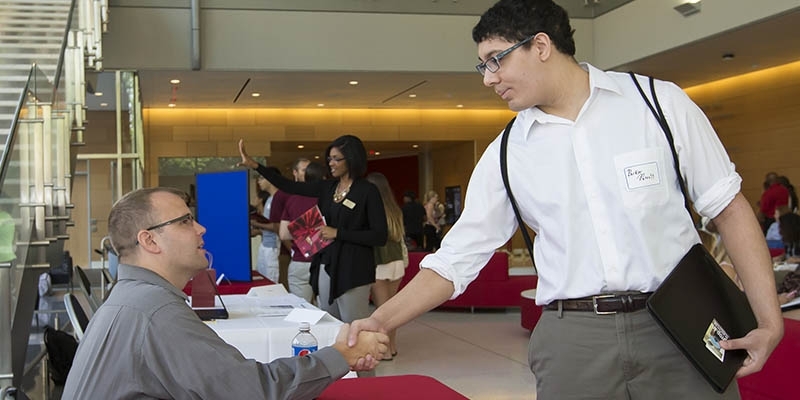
column 309, row 189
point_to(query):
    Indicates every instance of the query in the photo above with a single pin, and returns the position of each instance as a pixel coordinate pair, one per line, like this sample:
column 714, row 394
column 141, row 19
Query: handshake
column 365, row 354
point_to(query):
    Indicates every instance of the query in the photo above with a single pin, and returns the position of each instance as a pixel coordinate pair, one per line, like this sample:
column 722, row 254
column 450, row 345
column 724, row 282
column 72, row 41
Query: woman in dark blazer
column 342, row 272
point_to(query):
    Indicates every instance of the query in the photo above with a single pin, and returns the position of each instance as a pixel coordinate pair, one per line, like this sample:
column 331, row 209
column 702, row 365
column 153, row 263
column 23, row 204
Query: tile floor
column 482, row 355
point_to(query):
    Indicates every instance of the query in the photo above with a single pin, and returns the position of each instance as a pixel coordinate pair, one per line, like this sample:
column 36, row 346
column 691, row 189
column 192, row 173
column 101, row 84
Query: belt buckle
column 594, row 302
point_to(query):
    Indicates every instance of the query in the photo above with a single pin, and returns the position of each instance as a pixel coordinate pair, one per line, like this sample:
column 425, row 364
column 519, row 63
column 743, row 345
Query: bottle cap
column 305, row 326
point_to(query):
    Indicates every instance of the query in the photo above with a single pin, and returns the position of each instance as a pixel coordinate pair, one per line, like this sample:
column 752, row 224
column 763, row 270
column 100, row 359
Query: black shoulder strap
column 504, row 172
column 662, row 121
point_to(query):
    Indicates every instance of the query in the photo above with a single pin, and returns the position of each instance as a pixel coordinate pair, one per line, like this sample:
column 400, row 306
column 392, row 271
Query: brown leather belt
column 603, row 303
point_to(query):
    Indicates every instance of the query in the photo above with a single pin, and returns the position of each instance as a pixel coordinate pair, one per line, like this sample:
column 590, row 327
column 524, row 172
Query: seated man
column 145, row 342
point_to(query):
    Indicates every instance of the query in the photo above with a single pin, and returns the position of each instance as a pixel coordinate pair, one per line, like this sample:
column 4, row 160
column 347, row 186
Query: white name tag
column 642, row 175
column 349, row 204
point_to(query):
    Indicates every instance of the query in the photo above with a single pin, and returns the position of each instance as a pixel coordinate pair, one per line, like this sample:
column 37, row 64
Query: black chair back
column 77, row 315
column 86, row 286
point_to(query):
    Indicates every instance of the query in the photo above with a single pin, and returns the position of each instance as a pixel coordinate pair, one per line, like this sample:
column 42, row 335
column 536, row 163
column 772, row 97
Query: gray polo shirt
column 145, row 342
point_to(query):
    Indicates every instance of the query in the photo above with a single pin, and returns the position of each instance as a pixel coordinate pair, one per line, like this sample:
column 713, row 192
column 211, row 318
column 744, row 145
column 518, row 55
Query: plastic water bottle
column 304, row 342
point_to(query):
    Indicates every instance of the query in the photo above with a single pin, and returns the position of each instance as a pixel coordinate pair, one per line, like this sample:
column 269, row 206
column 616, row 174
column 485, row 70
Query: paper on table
column 267, row 291
column 791, row 304
column 786, row 267
column 305, row 315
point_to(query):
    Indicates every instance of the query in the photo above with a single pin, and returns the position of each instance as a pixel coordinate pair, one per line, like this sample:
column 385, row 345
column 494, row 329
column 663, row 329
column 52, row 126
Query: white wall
column 158, row 38
column 645, row 27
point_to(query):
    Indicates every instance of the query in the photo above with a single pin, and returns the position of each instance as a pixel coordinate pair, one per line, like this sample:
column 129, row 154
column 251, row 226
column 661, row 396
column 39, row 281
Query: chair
column 77, row 316
column 86, row 287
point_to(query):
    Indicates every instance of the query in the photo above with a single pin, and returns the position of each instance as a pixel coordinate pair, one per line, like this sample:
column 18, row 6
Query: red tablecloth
column 400, row 387
column 234, row 287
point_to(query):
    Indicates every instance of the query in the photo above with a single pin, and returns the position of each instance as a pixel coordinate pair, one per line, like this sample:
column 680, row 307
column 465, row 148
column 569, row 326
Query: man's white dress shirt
column 600, row 192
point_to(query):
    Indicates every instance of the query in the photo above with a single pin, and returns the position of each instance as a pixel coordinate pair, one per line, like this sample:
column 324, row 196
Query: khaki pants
column 581, row 355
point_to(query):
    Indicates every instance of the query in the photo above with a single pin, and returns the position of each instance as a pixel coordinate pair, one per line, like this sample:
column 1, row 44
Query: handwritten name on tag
column 642, row 175
column 349, row 204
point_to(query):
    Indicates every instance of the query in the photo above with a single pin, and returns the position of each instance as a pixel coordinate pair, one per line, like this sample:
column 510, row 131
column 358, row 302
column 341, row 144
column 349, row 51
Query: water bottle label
column 303, row 350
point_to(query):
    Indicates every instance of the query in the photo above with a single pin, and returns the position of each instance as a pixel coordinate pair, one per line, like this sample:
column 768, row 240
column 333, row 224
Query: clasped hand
column 366, row 354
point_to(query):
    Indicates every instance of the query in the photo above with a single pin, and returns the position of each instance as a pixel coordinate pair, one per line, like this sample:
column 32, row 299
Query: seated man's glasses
column 493, row 63
column 186, row 219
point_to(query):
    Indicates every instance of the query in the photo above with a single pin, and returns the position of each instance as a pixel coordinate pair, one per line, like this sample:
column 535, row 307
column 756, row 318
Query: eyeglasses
column 189, row 218
column 493, row 63
column 336, row 160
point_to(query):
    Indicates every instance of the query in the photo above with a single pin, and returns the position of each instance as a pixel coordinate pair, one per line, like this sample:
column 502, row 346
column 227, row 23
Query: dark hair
column 132, row 213
column 784, row 181
column 410, row 194
column 354, row 153
column 789, row 227
column 515, row 20
column 315, row 172
column 262, row 195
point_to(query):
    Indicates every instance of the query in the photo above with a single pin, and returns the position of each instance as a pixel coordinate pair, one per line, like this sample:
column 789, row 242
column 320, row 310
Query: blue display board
column 222, row 207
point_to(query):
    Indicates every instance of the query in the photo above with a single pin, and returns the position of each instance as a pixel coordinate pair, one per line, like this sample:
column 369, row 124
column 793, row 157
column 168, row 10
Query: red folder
column 306, row 233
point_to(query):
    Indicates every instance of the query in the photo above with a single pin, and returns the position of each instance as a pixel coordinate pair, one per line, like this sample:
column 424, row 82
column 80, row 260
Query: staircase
column 31, row 31
column 40, row 113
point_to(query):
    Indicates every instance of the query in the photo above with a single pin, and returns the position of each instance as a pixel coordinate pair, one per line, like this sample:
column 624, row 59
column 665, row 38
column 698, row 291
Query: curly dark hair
column 515, row 20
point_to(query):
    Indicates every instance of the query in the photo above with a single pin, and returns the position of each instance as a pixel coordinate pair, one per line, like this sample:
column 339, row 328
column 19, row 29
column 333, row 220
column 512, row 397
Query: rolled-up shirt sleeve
column 486, row 223
column 711, row 177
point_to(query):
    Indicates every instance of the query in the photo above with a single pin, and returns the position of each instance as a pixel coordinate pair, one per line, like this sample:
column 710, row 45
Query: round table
column 529, row 311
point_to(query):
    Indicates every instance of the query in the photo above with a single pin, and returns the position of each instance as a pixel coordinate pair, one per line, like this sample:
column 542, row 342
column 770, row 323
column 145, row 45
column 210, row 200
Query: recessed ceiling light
column 416, row 146
column 412, row 95
column 459, row 106
column 103, row 104
column 353, row 83
column 171, row 105
column 301, row 146
column 728, row 56
column 174, row 81
column 316, row 157
column 321, row 105
column 98, row 94
column 377, row 153
column 255, row 94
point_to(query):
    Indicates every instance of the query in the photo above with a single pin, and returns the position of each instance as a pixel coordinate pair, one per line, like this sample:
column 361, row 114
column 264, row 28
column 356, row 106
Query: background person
column 433, row 215
column 343, row 272
column 413, row 218
column 392, row 258
column 775, row 195
column 578, row 134
column 299, row 169
column 300, row 266
column 145, row 342
column 267, row 260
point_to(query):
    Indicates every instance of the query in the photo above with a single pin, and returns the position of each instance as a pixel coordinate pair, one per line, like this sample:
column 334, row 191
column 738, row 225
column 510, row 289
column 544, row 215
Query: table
column 400, row 387
column 229, row 287
column 265, row 338
column 529, row 311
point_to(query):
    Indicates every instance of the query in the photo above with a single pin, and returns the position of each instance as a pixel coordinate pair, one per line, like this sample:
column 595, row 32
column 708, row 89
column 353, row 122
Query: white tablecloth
column 265, row 338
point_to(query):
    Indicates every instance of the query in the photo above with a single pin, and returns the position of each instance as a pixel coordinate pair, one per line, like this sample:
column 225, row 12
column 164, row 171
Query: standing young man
column 577, row 131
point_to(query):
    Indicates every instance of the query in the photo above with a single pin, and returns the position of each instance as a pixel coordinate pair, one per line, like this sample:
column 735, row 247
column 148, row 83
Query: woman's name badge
column 349, row 204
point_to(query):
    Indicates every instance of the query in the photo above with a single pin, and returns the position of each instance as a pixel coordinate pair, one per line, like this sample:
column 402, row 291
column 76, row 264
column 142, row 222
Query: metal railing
column 35, row 179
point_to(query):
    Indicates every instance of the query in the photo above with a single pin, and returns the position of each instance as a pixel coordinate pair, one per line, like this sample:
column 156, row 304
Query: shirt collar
column 132, row 272
column 598, row 80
